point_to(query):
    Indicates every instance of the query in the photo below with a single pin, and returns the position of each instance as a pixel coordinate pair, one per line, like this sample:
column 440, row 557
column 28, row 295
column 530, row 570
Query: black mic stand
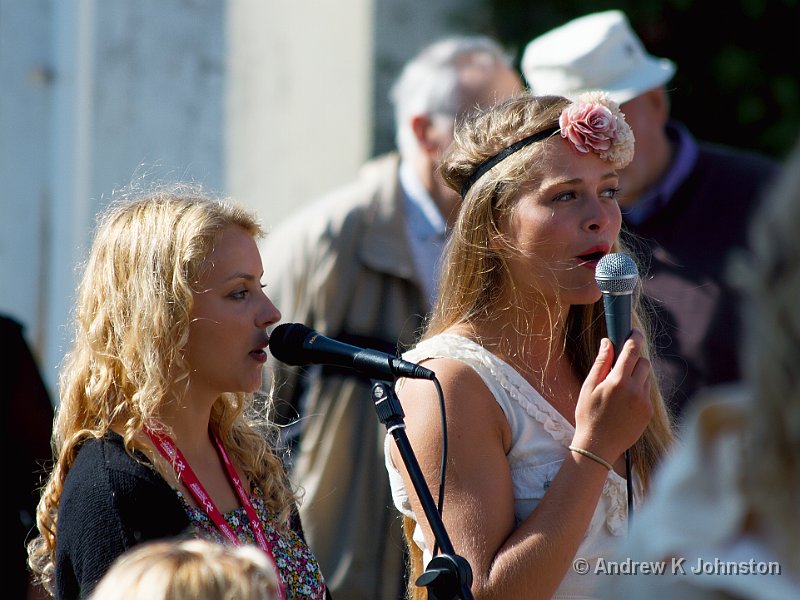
column 448, row 576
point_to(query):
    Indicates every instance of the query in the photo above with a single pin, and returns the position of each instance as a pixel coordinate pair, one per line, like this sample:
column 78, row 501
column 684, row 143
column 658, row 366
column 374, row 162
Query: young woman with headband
column 537, row 419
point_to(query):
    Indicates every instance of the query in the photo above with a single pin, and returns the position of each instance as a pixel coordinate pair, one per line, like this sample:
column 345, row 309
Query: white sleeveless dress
column 539, row 444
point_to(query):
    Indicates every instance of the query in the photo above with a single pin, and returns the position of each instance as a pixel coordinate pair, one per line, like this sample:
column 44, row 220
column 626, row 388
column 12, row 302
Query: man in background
column 686, row 204
column 359, row 265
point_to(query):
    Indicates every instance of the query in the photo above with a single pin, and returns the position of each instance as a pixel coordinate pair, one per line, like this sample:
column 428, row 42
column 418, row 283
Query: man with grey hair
column 359, row 265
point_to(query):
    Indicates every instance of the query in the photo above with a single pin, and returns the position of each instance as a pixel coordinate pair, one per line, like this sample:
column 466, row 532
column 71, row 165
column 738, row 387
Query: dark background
column 738, row 73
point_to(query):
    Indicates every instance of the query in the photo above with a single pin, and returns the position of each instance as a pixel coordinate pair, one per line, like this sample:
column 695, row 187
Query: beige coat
column 343, row 266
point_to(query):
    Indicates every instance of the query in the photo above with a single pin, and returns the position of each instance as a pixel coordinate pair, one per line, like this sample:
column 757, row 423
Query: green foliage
column 738, row 79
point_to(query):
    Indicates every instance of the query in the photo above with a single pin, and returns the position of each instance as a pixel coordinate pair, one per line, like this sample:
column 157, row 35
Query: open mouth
column 592, row 256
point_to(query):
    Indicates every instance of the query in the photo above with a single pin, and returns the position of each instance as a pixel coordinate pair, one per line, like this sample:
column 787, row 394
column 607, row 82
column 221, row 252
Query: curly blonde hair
column 131, row 327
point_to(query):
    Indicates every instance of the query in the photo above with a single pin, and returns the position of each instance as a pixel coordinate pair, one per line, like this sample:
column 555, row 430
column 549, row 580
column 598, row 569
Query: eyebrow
column 241, row 275
column 577, row 180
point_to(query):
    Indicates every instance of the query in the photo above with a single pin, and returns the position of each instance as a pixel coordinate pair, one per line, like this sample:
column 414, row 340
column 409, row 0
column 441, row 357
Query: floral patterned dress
column 297, row 565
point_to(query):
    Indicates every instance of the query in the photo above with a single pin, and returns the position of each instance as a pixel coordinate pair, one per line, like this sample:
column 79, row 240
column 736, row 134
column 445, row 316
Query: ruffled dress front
column 540, row 440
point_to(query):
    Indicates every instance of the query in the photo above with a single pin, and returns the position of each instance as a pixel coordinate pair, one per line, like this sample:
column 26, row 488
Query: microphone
column 616, row 276
column 298, row 345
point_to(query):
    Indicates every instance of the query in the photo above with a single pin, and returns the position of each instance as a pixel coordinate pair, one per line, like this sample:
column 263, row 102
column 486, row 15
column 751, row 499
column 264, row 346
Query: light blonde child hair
column 192, row 568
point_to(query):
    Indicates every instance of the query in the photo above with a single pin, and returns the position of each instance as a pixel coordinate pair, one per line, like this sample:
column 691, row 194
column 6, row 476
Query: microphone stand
column 448, row 576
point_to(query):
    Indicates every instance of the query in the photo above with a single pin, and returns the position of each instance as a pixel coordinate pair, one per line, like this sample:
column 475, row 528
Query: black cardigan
column 110, row 503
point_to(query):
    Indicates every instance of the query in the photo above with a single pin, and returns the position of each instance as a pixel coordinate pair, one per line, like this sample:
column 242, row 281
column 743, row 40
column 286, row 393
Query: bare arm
column 531, row 560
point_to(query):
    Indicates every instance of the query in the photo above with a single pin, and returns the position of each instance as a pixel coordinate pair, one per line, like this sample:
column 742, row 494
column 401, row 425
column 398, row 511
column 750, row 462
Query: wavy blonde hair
column 476, row 281
column 131, row 327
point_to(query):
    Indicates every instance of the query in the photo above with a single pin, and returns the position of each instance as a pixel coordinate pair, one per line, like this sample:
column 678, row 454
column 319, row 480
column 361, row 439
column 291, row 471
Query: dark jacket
column 110, row 503
column 684, row 250
column 27, row 422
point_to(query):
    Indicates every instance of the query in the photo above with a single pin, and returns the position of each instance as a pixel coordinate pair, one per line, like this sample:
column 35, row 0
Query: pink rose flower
column 588, row 126
column 594, row 123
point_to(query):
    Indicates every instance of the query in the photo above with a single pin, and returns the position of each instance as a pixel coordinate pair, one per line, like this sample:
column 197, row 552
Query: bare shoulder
column 455, row 377
column 470, row 406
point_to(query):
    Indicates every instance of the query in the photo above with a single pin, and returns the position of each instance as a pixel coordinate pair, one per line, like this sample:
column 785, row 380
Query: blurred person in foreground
column 184, row 569
column 723, row 519
column 359, row 266
column 538, row 416
column 155, row 434
column 685, row 203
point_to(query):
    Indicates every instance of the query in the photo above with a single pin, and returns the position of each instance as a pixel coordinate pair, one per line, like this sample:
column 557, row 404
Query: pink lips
column 591, row 256
column 259, row 355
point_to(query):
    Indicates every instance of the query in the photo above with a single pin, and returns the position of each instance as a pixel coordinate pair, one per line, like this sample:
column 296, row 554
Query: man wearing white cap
column 686, row 204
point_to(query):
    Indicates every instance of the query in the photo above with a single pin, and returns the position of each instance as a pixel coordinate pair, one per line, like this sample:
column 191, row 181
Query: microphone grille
column 616, row 274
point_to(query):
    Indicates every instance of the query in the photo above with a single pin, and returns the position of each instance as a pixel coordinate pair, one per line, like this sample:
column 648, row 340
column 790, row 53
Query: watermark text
column 675, row 566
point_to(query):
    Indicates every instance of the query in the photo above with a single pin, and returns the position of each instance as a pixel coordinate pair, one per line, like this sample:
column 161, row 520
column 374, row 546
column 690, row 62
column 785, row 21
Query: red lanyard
column 185, row 474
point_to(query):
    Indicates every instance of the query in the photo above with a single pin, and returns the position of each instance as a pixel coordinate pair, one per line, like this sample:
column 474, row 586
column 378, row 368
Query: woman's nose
column 268, row 314
column 601, row 214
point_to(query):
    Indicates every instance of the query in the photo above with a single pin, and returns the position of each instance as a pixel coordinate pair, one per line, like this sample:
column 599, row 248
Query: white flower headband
column 593, row 122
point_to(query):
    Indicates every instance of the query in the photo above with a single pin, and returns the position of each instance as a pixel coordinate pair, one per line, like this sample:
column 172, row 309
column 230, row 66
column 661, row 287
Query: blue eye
column 611, row 192
column 565, row 197
column 239, row 294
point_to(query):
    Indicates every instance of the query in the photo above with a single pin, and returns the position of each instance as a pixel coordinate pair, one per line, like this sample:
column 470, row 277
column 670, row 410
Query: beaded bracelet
column 591, row 455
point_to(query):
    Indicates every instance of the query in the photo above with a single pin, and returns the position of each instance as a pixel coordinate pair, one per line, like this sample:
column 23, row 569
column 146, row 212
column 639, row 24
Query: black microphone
column 298, row 345
column 616, row 276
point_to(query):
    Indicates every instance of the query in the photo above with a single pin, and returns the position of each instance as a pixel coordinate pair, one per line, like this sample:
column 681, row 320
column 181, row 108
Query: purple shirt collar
column 683, row 161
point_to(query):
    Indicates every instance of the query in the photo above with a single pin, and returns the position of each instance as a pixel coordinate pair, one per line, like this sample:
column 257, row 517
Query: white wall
column 299, row 113
column 271, row 101
column 25, row 76
column 137, row 93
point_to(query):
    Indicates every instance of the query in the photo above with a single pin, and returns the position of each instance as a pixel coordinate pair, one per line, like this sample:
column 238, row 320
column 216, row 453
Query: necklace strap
column 186, row 475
